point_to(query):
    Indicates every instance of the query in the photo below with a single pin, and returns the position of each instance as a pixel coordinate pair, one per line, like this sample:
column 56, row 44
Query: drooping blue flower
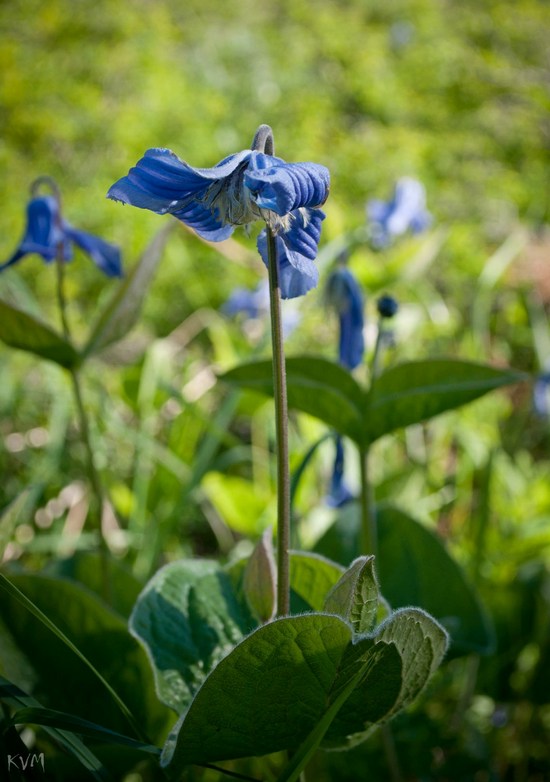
column 46, row 230
column 345, row 295
column 406, row 211
column 239, row 190
column 339, row 494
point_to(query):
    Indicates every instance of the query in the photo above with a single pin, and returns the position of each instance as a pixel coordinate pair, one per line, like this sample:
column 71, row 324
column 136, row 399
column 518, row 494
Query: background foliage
column 454, row 94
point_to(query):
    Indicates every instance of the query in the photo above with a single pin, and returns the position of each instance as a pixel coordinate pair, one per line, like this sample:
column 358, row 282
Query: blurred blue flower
column 254, row 304
column 46, row 230
column 541, row 395
column 251, row 303
column 344, row 293
column 406, row 211
column 239, row 190
column 339, row 494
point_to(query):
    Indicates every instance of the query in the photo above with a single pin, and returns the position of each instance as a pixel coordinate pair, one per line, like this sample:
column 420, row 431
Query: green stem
column 281, row 428
column 369, row 536
column 263, row 142
column 92, row 474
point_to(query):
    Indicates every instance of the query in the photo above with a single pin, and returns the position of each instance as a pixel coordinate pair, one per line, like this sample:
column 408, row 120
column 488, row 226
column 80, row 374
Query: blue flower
column 46, row 230
column 406, row 211
column 254, row 304
column 239, row 190
column 344, row 294
column 340, row 494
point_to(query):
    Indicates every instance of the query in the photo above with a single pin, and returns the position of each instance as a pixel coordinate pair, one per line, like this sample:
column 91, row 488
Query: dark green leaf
column 15, row 697
column 412, row 565
column 414, row 568
column 122, row 312
column 85, row 660
column 274, row 688
column 419, row 390
column 20, row 330
column 33, row 715
column 315, row 386
column 188, row 617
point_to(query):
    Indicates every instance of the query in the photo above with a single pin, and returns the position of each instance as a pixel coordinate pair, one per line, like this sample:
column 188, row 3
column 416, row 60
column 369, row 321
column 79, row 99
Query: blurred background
column 453, row 94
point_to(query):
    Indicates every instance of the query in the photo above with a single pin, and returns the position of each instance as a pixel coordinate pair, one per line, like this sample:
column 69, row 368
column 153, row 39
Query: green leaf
column 422, row 644
column 419, row 390
column 274, row 688
column 311, row 578
column 122, row 311
column 33, row 715
column 15, row 697
column 85, row 567
column 260, row 577
column 20, row 330
column 315, row 386
column 355, row 596
column 414, row 568
column 85, row 660
column 188, row 617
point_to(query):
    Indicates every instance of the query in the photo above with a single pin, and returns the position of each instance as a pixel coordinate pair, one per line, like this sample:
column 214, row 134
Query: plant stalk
column 369, row 535
column 92, row 474
column 263, row 142
column 281, row 428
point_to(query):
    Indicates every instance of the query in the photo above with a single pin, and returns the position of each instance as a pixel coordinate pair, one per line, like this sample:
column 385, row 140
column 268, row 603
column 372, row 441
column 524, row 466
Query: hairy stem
column 263, row 142
column 281, row 428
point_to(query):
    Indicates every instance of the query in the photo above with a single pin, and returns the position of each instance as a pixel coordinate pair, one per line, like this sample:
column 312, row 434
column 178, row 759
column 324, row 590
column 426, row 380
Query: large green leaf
column 416, row 391
column 86, row 568
column 415, row 568
column 403, row 395
column 122, row 311
column 272, row 690
column 62, row 680
column 315, row 386
column 188, row 617
column 20, row 330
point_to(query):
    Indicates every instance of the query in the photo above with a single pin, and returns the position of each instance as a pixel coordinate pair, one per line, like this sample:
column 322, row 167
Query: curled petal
column 283, row 187
column 106, row 256
column 304, row 231
column 297, row 273
column 162, row 182
column 203, row 222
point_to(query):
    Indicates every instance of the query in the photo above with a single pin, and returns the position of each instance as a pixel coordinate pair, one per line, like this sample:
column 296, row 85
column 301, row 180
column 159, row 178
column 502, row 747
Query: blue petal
column 297, row 273
column 163, row 183
column 283, row 187
column 106, row 256
column 304, row 232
